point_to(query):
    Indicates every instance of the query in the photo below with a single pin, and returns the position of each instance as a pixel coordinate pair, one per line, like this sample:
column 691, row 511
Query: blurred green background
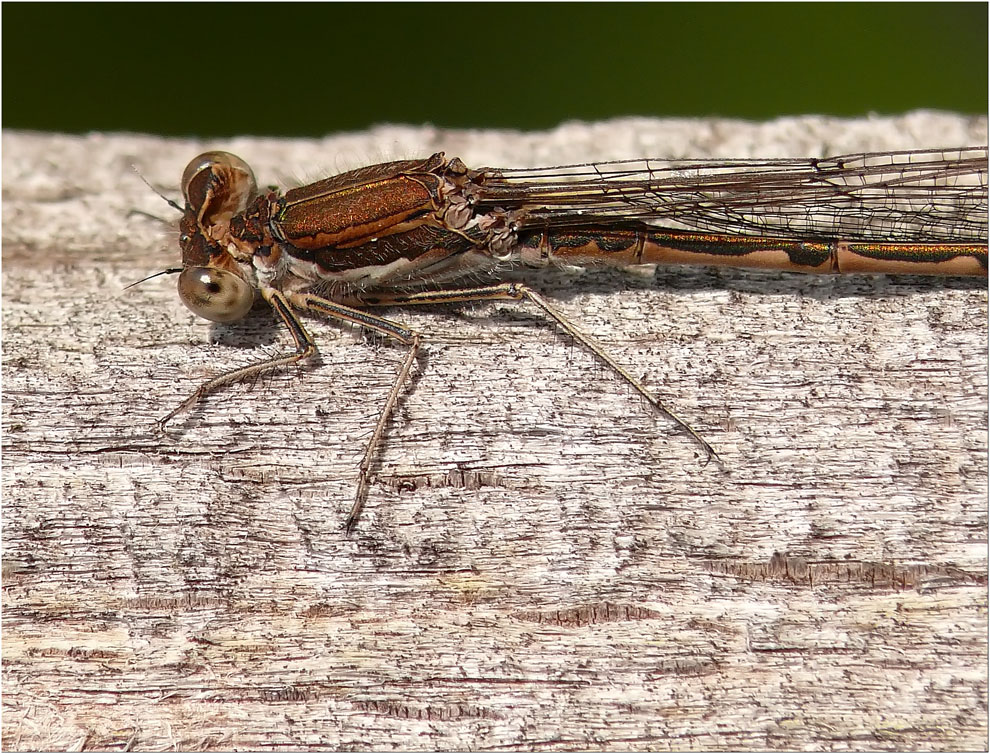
column 288, row 69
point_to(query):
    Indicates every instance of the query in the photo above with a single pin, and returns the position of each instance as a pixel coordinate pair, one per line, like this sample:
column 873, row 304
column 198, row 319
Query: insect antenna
column 168, row 201
column 169, row 271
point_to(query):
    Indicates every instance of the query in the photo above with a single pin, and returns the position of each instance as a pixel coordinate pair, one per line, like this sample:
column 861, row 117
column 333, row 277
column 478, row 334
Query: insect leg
column 520, row 292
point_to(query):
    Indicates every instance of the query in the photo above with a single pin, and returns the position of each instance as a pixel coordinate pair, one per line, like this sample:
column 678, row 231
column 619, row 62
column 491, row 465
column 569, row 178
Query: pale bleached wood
column 542, row 563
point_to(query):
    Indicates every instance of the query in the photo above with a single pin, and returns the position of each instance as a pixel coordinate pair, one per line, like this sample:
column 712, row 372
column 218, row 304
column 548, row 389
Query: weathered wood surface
column 542, row 563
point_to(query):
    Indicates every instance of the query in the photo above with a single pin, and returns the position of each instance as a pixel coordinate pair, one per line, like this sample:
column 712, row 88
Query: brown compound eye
column 218, row 184
column 216, row 295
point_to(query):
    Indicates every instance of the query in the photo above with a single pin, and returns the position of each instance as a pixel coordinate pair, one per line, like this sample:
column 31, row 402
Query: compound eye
column 216, row 295
column 216, row 184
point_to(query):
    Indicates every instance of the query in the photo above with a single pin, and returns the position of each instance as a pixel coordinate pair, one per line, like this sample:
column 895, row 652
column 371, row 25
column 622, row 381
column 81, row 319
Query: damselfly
column 410, row 232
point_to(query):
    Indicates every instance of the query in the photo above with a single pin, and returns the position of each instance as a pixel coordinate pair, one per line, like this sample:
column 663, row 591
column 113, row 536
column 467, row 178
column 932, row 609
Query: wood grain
column 542, row 563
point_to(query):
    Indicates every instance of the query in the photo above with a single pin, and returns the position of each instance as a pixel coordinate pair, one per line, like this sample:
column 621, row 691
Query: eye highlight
column 216, row 295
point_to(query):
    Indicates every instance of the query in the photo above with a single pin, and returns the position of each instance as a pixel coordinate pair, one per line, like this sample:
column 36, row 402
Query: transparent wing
column 936, row 196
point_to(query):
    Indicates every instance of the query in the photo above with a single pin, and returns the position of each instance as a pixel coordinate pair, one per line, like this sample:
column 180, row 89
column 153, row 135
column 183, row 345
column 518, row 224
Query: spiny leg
column 393, row 330
column 364, row 470
column 519, row 292
column 305, row 347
